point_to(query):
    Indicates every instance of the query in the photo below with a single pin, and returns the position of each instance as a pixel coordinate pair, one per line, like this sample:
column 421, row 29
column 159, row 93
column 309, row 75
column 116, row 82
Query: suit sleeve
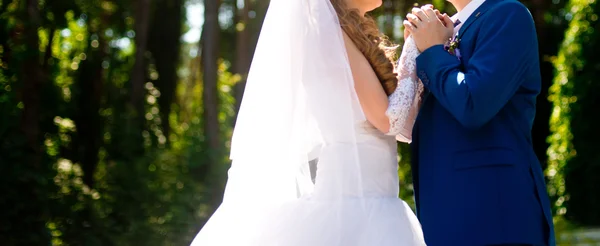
column 504, row 48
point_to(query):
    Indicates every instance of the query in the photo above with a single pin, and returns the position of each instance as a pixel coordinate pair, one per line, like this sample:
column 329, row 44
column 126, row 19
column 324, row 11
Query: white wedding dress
column 270, row 199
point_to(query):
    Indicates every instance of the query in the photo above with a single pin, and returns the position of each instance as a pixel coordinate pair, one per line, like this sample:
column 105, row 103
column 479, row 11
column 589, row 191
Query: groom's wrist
column 433, row 47
column 431, row 60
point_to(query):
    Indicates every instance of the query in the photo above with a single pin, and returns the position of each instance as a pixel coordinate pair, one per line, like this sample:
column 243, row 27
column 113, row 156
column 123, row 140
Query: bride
column 322, row 88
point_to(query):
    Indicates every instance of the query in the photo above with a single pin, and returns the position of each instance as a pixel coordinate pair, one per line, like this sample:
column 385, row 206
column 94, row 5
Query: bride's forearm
column 374, row 103
column 405, row 100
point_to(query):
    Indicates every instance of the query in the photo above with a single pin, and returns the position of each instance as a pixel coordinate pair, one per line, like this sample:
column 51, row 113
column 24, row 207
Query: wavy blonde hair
column 375, row 46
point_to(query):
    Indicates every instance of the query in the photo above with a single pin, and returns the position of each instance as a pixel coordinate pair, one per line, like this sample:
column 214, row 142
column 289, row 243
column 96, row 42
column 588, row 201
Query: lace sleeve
column 405, row 101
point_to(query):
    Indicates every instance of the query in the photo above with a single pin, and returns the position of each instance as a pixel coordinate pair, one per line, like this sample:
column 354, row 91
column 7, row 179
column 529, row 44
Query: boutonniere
column 452, row 46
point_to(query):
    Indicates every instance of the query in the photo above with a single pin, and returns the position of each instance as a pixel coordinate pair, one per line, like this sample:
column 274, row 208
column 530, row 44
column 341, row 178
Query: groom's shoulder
column 511, row 8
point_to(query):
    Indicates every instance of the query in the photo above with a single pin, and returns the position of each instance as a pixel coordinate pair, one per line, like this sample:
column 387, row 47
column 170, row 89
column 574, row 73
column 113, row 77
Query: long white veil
column 299, row 104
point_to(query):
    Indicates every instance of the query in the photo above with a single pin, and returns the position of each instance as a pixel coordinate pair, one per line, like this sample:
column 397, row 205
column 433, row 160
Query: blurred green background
column 116, row 115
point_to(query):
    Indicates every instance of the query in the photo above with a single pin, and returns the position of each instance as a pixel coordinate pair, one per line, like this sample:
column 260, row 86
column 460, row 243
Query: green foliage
column 151, row 208
column 84, row 185
column 76, row 172
column 574, row 161
column 405, row 175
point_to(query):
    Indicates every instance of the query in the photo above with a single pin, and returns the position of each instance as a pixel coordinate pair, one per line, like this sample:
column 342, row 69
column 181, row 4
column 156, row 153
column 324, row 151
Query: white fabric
column 300, row 102
column 465, row 13
column 404, row 102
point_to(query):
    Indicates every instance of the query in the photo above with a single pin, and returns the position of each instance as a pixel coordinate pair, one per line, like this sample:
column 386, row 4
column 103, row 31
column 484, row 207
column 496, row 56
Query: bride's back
column 375, row 153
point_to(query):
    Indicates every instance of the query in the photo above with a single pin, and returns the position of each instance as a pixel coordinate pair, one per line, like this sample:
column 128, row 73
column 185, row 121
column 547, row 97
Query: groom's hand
column 428, row 27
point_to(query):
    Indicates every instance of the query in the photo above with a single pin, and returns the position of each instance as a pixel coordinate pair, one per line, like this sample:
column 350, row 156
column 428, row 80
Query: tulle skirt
column 386, row 221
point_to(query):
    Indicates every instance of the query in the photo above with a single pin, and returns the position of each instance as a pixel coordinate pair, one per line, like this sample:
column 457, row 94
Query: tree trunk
column 32, row 215
column 260, row 8
column 88, row 120
column 165, row 47
column 210, row 48
column 138, row 74
column 48, row 51
column 388, row 13
column 32, row 75
column 242, row 63
column 540, row 129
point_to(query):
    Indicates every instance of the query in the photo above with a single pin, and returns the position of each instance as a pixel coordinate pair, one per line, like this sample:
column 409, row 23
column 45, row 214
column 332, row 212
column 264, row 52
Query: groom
column 477, row 179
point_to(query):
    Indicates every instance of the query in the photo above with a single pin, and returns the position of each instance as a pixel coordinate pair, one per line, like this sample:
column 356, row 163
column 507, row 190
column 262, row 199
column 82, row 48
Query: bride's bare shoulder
column 350, row 46
column 357, row 59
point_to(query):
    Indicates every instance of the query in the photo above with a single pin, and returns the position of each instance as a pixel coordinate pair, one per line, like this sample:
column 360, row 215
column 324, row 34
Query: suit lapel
column 487, row 5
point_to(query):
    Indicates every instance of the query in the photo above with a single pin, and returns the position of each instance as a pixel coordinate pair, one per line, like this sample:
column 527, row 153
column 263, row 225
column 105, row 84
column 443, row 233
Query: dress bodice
column 377, row 152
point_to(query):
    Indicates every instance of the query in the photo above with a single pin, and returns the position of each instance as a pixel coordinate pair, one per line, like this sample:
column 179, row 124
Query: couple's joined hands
column 428, row 27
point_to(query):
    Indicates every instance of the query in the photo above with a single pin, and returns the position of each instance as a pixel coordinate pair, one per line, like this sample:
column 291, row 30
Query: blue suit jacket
column 477, row 179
